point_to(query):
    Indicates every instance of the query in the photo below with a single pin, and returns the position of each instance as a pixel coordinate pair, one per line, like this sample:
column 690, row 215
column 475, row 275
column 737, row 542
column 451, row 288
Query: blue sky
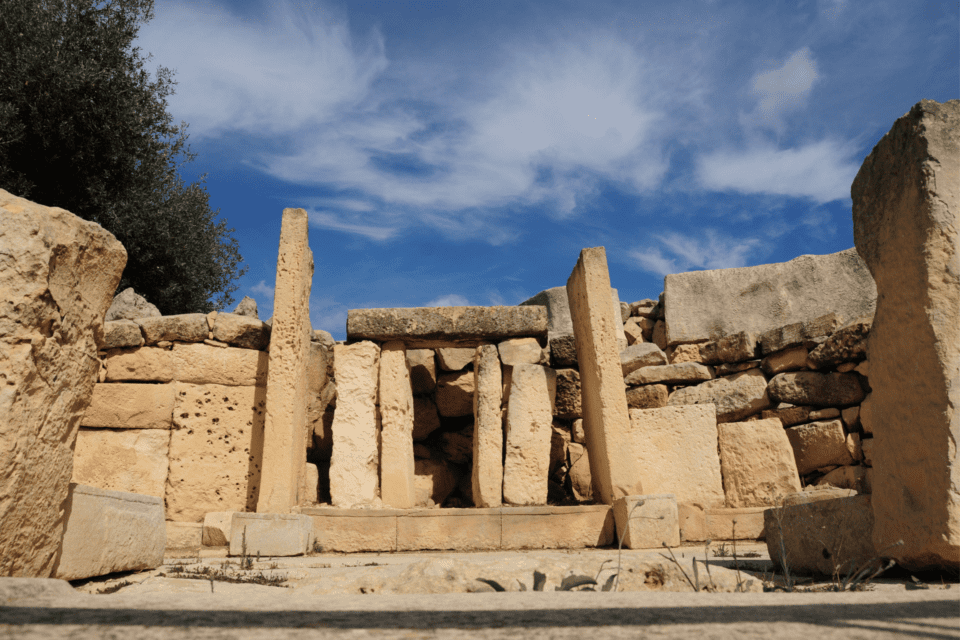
column 461, row 153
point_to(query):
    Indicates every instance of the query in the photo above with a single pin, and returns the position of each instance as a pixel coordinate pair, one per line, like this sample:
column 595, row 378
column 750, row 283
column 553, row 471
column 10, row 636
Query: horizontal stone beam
column 455, row 324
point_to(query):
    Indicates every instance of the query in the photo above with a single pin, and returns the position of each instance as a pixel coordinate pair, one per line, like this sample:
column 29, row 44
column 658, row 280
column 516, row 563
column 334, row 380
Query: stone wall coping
column 450, row 513
column 446, row 323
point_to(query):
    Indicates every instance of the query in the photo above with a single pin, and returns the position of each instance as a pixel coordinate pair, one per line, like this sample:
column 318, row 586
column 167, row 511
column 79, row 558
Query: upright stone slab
column 606, row 423
column 396, row 437
column 487, row 472
column 132, row 460
column 529, row 418
column 757, row 463
column 284, row 441
column 560, row 321
column 354, row 465
column 906, row 217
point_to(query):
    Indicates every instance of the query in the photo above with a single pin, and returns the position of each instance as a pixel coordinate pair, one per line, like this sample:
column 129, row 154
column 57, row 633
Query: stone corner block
column 216, row 528
column 647, row 521
column 270, row 534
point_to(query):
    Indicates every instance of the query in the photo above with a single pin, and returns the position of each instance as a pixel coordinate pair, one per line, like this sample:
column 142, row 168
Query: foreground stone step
column 648, row 521
column 270, row 534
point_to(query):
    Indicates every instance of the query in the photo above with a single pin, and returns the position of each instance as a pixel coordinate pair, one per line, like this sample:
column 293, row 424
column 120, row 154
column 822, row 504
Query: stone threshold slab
column 547, row 527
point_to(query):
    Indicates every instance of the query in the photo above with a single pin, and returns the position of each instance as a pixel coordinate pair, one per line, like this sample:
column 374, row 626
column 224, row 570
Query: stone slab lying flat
column 447, row 323
column 270, row 534
column 699, row 525
column 109, row 531
column 459, row 529
column 550, row 527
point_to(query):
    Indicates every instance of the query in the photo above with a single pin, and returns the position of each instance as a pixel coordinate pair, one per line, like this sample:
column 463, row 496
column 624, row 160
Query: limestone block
column 790, row 359
column 729, row 368
column 906, row 205
column 109, row 531
column 354, row 467
column 447, row 323
column 557, row 527
column 130, row 406
column 647, row 521
column 434, row 482
column 557, row 304
column 659, row 336
column 310, row 484
column 455, row 394
column 757, row 463
column 646, row 308
column 353, row 530
column 185, row 327
column 604, row 402
column 847, row 344
column 567, row 405
column 828, row 537
column 520, row 351
column 699, row 525
column 824, row 414
column 529, row 420
column 732, row 348
column 581, row 482
column 819, row 444
column 866, row 447
column 121, row 333
column 677, row 453
column 788, row 414
column 818, row 389
column 423, row 370
column 57, row 277
column 216, row 450
column 396, row 435
column 644, row 354
column 426, row 420
column 271, row 534
column 487, row 471
column 563, row 351
column 808, row 333
column 633, row 331
column 456, row 529
column 216, row 528
column 684, row 353
column 195, row 363
column 846, row 477
column 455, row 358
column 247, row 307
column 705, row 305
column 241, row 331
column 736, row 397
column 576, row 432
column 683, row 373
column 184, row 535
column 624, row 311
column 851, row 417
column 129, row 305
column 651, row 396
column 131, row 460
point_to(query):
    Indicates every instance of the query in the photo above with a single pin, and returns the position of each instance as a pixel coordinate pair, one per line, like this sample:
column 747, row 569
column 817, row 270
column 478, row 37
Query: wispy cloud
column 329, row 220
column 784, row 89
column 328, row 314
column 263, row 290
column 675, row 253
column 449, row 300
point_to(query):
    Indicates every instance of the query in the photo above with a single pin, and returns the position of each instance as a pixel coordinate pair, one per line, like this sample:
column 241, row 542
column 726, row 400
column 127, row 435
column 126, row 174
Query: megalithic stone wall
column 396, row 436
column 906, row 217
column 284, row 453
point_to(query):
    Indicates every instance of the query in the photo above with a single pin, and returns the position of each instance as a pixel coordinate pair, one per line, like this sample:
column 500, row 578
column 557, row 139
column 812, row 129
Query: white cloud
column 263, row 290
column 449, row 300
column 329, row 220
column 329, row 315
column 784, row 89
column 713, row 251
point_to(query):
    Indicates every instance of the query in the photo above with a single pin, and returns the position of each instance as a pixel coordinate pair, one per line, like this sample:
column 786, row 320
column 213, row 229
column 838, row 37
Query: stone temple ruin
column 807, row 403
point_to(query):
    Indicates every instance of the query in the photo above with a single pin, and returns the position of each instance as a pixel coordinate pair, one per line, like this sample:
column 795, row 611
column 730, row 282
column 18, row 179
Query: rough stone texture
column 830, row 536
column 196, row 363
column 866, row 445
column 310, row 484
column 789, row 414
column 247, row 307
column 790, row 359
column 684, row 353
column 651, row 396
column 486, row 478
column 729, row 349
column 423, row 370
column 677, row 453
column 216, row 528
column 241, row 331
column 129, row 305
column 323, row 337
column 851, row 417
column 130, row 406
column 426, row 420
column 817, row 389
column 819, row 444
column 683, row 373
column 216, row 450
column 563, row 351
column 633, row 331
column 434, row 481
column 447, row 323
column 271, row 534
column 699, row 525
column 729, row 368
column 529, row 420
column 355, row 465
column 184, row 535
column 109, row 531
column 455, row 394
column 906, row 204
column 646, row 308
column 757, row 463
column 57, row 276
column 736, row 397
column 659, row 336
column 520, row 351
column 706, row 305
column 847, row 477
column 647, row 521
column 581, row 482
column 807, row 333
column 644, row 354
column 568, row 404
column 285, row 428
column 131, row 460
column 455, row 358
column 605, row 419
column 121, row 333
column 186, row 327
column 848, row 344
column 559, row 319
column 396, row 434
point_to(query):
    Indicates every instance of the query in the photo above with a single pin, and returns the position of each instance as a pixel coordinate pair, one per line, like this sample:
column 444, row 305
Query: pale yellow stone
column 454, row 358
column 699, row 525
column 455, row 394
column 196, row 363
column 633, row 331
column 396, row 435
column 131, row 460
column 455, row 529
column 354, row 530
column 423, row 370
column 647, row 521
column 270, row 534
column 309, row 490
column 581, row 482
column 185, row 327
column 216, row 528
column 529, row 420
column 819, row 444
column 184, row 535
column 606, row 422
column 434, row 482
column 790, row 359
column 520, row 351
column 556, row 527
column 757, row 463
column 130, row 406
column 684, row 353
column 487, row 470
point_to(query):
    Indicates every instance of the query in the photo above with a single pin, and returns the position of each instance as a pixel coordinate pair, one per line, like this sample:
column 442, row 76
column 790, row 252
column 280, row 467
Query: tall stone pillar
column 906, row 219
column 526, row 466
column 284, row 455
column 396, row 436
column 487, row 472
column 606, row 423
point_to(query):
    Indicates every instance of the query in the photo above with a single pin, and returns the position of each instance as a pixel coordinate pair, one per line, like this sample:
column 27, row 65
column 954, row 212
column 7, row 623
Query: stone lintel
column 446, row 324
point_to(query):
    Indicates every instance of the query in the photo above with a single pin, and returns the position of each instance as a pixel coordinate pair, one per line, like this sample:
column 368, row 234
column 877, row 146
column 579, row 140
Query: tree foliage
column 85, row 127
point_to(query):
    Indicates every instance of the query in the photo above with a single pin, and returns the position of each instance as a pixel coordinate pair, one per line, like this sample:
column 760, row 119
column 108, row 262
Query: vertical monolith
column 526, row 464
column 487, row 472
column 396, row 432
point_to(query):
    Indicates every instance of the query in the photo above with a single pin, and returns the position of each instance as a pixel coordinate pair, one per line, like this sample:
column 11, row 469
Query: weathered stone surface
column 846, row 477
column 121, row 333
column 270, row 534
column 57, row 276
column 866, row 446
column 426, row 420
column 563, row 351
column 644, row 354
column 455, row 394
column 241, row 331
column 851, row 417
column 732, row 348
column 736, row 397
column 396, row 435
column 109, row 531
column 824, row 536
column 757, row 463
column 824, row 414
column 423, row 370
column 808, row 333
column 184, row 535
column 706, row 305
column 581, row 482
column 847, row 344
column 651, row 396
column 567, row 405
column 186, row 327
column 285, row 428
column 818, row 389
column 196, row 363
column 646, row 308
column 633, row 331
column 216, row 450
column 435, row 481
column 576, row 432
column 699, row 525
column 129, row 305
column 790, row 359
column 354, row 467
column 624, row 311
column 659, row 336
column 487, row 471
column 729, row 368
column 677, row 453
column 788, row 414
column 647, row 521
column 320, row 336
column 217, row 527
column 520, row 351
column 130, row 406
column 683, row 373
column 529, row 420
column 455, row 358
column 683, row 353
column 447, row 323
column 131, row 460
column 310, row 484
column 819, row 444
column 604, row 402
column 559, row 319
column 247, row 307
